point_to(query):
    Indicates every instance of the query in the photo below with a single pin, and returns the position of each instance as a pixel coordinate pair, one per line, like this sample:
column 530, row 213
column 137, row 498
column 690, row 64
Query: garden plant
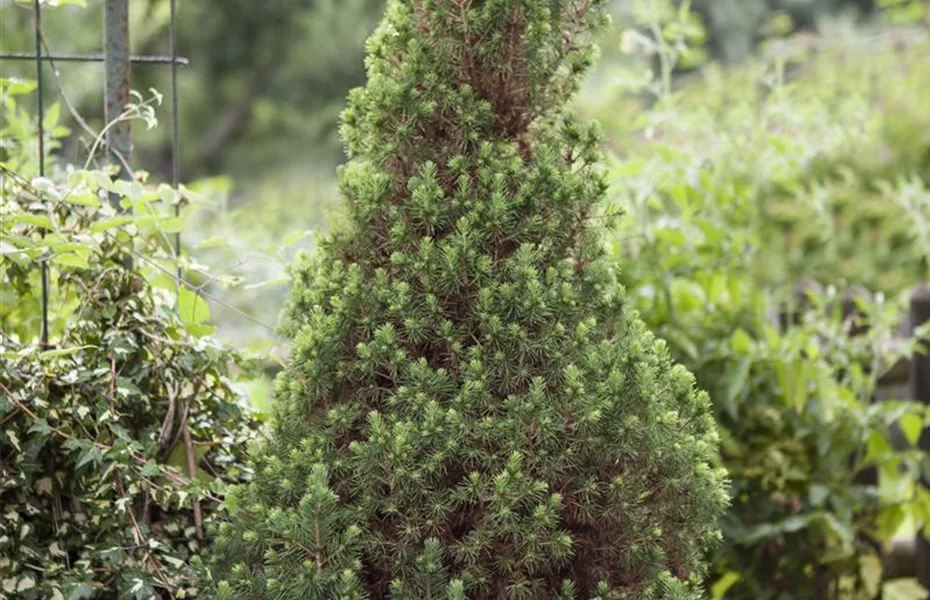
column 472, row 407
column 489, row 392
column 119, row 435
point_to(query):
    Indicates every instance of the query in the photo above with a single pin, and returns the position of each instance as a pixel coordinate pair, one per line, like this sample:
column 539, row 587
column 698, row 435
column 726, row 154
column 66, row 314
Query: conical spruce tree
column 472, row 409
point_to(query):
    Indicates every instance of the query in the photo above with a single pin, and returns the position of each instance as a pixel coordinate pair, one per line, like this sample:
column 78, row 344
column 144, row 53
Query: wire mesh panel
column 118, row 62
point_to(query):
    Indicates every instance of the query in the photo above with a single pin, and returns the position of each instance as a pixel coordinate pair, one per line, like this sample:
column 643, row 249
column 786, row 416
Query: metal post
column 117, row 85
column 175, row 144
column 40, row 118
column 920, row 392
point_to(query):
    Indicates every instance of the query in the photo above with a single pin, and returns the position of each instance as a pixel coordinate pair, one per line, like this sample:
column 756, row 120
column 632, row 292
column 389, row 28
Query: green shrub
column 472, row 408
column 736, row 190
column 117, row 440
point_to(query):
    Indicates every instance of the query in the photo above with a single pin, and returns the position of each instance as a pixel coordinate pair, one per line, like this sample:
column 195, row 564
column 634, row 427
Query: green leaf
column 818, row 493
column 150, row 469
column 192, row 309
column 720, row 587
column 741, row 342
column 51, row 116
column 178, row 459
column 200, row 331
column 877, row 448
column 843, row 531
column 6, row 248
column 167, row 194
column 103, row 180
column 736, row 384
column 911, row 425
column 71, row 260
column 41, row 427
column 15, row 86
column 903, row 589
column 166, row 223
column 89, row 454
column 81, row 591
column 889, row 521
column 83, row 198
column 40, row 221
column 131, row 189
column 172, row 224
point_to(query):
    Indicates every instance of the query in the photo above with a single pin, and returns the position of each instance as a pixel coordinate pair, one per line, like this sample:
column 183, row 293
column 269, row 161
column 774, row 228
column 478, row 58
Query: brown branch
column 167, row 425
column 12, row 414
column 140, row 541
column 192, row 473
column 176, row 477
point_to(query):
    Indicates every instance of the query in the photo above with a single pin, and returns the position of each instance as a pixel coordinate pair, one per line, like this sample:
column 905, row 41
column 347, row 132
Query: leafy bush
column 118, row 440
column 737, row 27
column 736, row 190
column 471, row 407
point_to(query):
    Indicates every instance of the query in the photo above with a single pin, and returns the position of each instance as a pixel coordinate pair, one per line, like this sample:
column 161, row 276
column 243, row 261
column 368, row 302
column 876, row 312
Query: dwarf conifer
column 472, row 409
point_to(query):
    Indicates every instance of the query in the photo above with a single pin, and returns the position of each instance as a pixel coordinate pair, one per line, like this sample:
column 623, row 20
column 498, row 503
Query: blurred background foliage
column 267, row 79
column 764, row 213
column 755, row 148
column 260, row 101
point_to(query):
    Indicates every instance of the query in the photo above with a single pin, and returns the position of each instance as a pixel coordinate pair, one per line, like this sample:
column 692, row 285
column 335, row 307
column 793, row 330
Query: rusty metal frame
column 118, row 63
column 151, row 59
column 117, row 86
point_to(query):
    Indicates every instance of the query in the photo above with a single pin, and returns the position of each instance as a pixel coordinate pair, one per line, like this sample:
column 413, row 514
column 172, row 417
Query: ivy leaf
column 88, row 455
column 41, row 427
column 150, row 469
column 81, row 591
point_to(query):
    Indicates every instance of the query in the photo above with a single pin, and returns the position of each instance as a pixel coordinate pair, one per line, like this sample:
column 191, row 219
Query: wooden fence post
column 920, row 391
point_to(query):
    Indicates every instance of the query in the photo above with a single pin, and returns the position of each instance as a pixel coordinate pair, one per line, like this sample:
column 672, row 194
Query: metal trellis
column 118, row 63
